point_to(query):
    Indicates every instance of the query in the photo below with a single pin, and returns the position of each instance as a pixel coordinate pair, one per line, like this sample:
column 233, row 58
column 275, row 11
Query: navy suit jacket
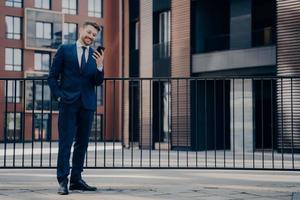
column 69, row 82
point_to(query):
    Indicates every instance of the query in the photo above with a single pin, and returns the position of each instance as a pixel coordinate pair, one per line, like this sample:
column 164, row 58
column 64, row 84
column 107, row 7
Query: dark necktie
column 83, row 60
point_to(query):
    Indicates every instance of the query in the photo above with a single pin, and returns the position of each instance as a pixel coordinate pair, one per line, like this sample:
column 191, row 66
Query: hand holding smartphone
column 99, row 48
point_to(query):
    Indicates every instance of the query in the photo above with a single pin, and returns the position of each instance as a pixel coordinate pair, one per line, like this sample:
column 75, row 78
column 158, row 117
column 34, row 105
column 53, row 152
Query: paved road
column 146, row 184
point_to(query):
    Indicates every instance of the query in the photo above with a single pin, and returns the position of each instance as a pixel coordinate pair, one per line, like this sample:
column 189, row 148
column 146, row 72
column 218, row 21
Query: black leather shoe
column 63, row 188
column 81, row 185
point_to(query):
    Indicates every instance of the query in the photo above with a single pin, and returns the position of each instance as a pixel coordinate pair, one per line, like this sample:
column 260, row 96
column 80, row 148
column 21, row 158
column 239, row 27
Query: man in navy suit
column 75, row 71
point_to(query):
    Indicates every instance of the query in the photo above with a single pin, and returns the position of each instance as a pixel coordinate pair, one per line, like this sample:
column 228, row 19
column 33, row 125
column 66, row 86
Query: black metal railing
column 189, row 122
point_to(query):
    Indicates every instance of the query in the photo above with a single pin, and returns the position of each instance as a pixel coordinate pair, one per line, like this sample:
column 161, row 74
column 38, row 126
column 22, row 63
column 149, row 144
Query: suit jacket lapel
column 74, row 54
column 90, row 56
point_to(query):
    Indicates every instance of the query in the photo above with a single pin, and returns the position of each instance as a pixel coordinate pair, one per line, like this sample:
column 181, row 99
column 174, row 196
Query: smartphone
column 99, row 48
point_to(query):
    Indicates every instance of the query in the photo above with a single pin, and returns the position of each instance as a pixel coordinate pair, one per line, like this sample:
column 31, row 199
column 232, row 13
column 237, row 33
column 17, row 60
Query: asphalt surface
column 156, row 184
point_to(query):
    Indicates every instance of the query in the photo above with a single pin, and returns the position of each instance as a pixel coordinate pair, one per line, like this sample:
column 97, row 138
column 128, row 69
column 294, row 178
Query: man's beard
column 84, row 41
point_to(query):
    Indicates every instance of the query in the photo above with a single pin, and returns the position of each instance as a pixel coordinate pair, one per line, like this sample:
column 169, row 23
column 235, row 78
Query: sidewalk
column 145, row 184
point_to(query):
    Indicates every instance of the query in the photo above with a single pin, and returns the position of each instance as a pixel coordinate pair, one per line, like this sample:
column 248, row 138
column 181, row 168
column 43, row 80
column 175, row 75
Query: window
column 99, row 38
column 97, row 130
column 13, row 27
column 164, row 34
column 42, row 94
column 99, row 93
column 70, row 32
column 45, row 4
column 13, row 124
column 164, row 27
column 43, row 30
column 263, row 23
column 95, row 8
column 13, row 91
column 13, row 59
column 38, row 96
column 210, row 29
column 41, row 61
column 41, row 126
column 14, row 3
column 137, row 35
column 69, row 7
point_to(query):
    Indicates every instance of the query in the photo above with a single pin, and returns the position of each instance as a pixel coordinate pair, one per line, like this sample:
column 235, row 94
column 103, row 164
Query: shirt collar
column 79, row 45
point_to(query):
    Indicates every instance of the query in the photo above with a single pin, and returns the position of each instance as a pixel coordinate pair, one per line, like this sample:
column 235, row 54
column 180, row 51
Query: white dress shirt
column 80, row 51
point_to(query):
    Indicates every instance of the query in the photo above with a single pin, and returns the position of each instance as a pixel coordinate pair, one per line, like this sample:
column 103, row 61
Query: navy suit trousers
column 74, row 124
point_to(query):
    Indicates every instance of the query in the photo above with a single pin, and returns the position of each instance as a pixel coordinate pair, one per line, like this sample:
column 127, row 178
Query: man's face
column 87, row 34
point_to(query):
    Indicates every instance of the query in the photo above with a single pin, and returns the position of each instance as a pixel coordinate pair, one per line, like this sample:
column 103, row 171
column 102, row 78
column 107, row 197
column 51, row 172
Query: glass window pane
column 38, row 90
column 17, row 56
column 39, row 30
column 17, row 68
column 8, row 56
column 65, row 30
column 65, row 4
column 9, row 91
column 45, row 61
column 14, row 3
column 8, row 3
column 46, row 4
column 90, row 5
column 47, row 94
column 98, row 6
column 38, row 3
column 73, row 4
column 9, row 24
column 73, row 31
column 17, row 27
column 37, row 61
column 47, row 30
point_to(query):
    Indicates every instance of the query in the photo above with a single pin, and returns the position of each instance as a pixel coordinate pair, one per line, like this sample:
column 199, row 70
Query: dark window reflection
column 42, row 126
column 97, row 130
column 70, row 33
column 99, row 93
column 263, row 22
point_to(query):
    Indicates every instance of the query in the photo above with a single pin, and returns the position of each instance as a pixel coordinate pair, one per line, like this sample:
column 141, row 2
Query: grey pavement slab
column 156, row 184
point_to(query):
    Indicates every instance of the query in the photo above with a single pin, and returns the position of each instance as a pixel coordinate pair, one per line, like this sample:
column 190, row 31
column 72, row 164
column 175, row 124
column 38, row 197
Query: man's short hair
column 93, row 24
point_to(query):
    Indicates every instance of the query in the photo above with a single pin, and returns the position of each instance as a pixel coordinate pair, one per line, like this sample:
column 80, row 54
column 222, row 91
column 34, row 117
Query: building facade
column 204, row 38
column 30, row 34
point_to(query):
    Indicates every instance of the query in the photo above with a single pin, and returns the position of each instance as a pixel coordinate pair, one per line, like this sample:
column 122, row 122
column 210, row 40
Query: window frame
column 14, row 3
column 13, row 65
column 93, row 12
column 68, row 10
column 17, row 129
column 43, row 34
column 13, row 91
column 41, row 66
column 13, row 33
column 42, row 4
column 67, row 24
